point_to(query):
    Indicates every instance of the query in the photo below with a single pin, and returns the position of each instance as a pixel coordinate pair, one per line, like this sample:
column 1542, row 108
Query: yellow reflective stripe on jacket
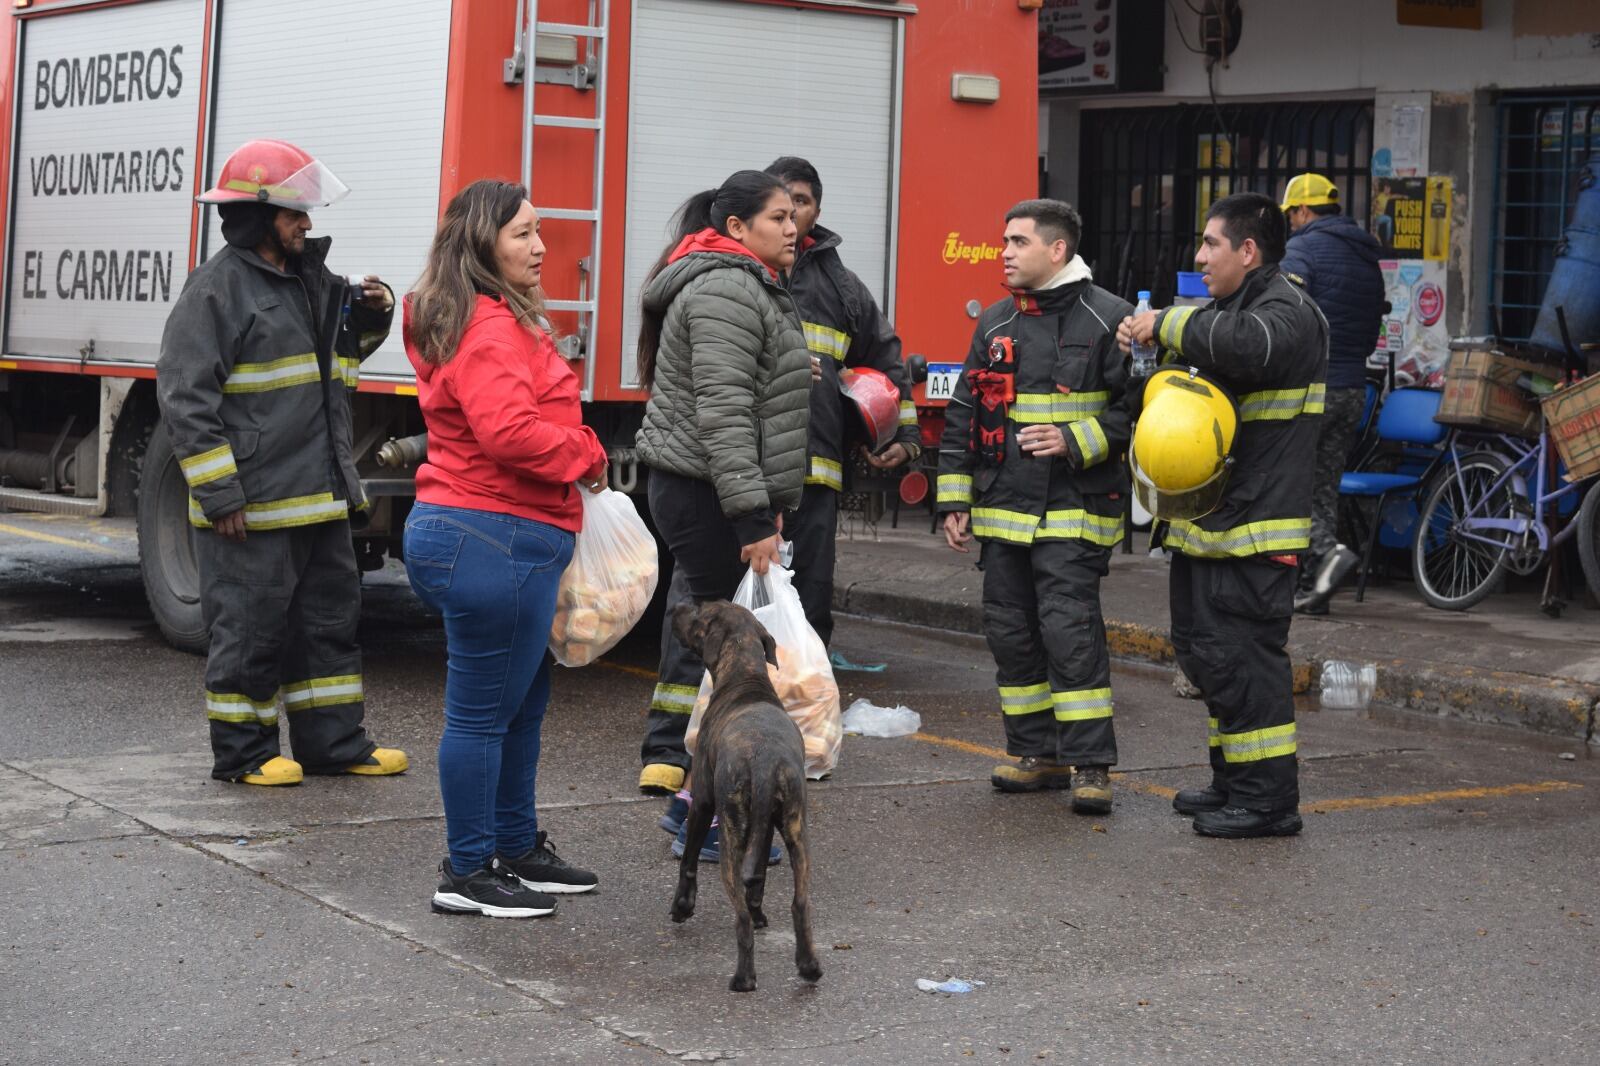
column 1169, row 328
column 281, row 514
column 674, row 699
column 1213, row 737
column 1282, row 404
column 232, row 707
column 323, row 692
column 209, row 466
column 1253, row 538
column 1082, row 705
column 1039, row 408
column 1092, row 443
column 1078, row 524
column 1024, row 699
column 827, row 341
column 347, row 369
column 953, row 488
column 1258, row 744
column 282, row 373
column 908, row 413
column 826, row 472
column 997, row 524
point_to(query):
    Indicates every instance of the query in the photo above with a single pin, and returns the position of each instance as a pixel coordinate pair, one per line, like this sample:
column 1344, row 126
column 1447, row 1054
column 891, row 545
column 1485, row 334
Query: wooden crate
column 1573, row 415
column 1480, row 392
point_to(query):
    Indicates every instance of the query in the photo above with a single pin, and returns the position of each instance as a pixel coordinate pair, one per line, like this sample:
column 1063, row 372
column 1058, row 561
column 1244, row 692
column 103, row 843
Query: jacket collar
column 307, row 264
column 1255, row 283
column 1057, row 293
column 709, row 240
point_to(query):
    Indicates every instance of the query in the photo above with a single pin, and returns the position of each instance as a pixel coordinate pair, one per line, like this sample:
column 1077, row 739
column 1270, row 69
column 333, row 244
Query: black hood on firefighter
column 246, row 225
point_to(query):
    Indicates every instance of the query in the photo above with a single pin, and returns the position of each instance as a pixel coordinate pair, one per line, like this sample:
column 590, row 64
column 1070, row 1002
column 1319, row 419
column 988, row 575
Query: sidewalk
column 1503, row 662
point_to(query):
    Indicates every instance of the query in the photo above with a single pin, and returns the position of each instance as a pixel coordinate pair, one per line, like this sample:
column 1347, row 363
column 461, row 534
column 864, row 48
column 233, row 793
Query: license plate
column 942, row 378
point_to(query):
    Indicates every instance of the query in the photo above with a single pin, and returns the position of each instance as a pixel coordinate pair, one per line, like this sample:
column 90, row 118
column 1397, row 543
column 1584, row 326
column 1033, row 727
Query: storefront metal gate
column 1543, row 142
column 1148, row 175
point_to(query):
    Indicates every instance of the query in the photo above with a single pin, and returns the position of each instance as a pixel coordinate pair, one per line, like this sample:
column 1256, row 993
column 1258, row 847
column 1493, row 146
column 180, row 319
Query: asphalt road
column 1439, row 908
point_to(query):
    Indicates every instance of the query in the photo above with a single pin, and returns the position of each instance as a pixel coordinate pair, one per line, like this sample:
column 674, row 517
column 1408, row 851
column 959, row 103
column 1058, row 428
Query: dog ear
column 689, row 627
column 771, row 646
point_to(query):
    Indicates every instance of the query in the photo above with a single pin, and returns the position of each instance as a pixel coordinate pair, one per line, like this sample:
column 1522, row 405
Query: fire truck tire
column 166, row 548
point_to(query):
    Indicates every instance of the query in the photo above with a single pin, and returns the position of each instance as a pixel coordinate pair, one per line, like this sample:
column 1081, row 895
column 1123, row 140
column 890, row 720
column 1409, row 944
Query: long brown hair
column 461, row 265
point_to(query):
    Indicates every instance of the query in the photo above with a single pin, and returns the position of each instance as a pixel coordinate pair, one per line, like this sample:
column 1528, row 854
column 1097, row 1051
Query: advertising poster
column 1399, row 211
column 1414, row 331
column 1078, row 44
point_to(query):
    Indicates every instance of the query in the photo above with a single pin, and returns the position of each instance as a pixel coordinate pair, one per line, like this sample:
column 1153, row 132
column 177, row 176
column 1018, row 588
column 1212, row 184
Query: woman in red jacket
column 492, row 530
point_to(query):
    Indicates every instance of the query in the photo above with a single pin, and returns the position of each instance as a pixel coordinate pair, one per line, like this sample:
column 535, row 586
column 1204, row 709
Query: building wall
column 1296, row 49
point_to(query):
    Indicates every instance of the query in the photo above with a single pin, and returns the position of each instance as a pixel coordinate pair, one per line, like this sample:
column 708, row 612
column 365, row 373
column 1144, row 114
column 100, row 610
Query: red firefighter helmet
column 275, row 172
column 876, row 400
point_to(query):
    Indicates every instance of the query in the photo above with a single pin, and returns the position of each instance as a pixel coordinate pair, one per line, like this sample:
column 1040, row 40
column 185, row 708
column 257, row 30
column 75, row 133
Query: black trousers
column 1230, row 625
column 283, row 606
column 1041, row 617
column 706, row 566
column 813, row 530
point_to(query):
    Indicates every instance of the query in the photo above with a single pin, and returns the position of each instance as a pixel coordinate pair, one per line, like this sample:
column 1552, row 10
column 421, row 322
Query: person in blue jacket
column 1337, row 262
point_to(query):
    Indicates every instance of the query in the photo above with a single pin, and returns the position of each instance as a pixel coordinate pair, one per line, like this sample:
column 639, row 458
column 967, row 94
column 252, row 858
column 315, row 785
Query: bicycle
column 1485, row 513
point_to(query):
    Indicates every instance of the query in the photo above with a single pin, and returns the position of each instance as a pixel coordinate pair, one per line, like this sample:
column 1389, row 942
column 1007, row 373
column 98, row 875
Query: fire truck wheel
column 166, row 548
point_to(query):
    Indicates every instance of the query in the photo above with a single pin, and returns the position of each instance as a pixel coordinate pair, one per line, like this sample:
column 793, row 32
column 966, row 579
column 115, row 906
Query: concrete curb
column 1549, row 706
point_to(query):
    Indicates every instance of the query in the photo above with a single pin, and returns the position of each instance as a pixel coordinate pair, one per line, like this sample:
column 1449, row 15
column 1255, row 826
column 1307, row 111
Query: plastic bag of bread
column 608, row 584
column 803, row 678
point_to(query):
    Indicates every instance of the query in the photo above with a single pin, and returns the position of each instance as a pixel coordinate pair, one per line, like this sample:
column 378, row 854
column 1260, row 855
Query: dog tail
column 762, row 803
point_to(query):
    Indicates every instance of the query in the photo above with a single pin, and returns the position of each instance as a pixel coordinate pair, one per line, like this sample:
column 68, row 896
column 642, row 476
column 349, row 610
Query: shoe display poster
column 1078, row 44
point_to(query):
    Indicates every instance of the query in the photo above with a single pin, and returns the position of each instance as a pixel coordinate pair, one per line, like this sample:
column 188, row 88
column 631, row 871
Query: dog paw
column 682, row 912
column 811, row 971
column 759, row 919
column 742, row 984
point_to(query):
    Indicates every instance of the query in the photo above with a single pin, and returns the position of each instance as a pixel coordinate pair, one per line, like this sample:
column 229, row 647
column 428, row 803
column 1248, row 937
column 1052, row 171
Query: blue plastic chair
column 1406, row 417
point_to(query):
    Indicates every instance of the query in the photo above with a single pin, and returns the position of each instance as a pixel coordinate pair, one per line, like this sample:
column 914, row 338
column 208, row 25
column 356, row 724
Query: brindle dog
column 749, row 770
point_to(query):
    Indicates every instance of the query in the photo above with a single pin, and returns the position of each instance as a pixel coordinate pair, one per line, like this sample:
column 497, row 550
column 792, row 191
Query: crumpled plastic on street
column 954, row 986
column 867, row 719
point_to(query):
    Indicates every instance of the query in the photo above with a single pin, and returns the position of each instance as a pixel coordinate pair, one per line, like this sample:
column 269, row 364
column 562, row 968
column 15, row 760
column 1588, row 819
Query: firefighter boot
column 1031, row 774
column 1194, row 800
column 659, row 778
column 275, row 771
column 1239, row 822
column 1091, row 790
column 382, row 762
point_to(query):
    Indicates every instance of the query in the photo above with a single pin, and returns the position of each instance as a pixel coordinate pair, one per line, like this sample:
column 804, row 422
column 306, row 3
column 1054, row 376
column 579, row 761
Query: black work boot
column 1237, row 822
column 1195, row 800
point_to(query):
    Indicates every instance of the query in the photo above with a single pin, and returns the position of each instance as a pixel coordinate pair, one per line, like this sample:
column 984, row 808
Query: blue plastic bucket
column 1574, row 287
column 1192, row 283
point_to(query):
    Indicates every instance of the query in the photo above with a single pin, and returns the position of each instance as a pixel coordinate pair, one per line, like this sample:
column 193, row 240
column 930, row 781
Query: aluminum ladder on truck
column 568, row 54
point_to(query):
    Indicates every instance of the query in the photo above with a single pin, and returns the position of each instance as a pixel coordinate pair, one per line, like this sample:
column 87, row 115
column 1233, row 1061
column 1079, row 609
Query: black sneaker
column 542, row 870
column 492, row 890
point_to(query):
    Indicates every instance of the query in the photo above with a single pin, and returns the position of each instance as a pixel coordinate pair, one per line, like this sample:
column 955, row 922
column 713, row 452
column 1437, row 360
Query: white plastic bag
column 865, row 718
column 803, row 677
column 609, row 582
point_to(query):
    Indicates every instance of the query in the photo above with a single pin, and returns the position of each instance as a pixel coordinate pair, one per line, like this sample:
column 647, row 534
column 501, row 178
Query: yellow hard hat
column 1309, row 190
column 1182, row 444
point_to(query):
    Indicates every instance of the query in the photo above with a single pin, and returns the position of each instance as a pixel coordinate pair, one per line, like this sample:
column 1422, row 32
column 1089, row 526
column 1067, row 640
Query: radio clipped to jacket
column 994, row 389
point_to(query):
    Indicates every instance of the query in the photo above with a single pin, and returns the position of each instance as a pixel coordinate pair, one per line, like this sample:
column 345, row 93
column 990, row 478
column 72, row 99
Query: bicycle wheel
column 1453, row 571
column 1588, row 536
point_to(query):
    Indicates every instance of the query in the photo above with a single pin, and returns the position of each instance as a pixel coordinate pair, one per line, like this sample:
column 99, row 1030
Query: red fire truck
column 921, row 117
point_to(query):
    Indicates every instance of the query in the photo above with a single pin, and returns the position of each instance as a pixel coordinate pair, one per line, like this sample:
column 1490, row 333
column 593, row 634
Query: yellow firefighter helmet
column 1183, row 443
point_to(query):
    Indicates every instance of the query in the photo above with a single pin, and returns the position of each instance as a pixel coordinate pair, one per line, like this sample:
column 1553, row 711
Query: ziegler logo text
column 958, row 251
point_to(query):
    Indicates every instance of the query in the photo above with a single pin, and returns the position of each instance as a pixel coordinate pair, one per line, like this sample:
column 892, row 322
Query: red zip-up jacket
column 505, row 429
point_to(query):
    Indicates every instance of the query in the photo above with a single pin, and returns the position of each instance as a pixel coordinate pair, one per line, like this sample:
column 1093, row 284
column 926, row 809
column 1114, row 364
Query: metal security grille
column 1543, row 142
column 1148, row 175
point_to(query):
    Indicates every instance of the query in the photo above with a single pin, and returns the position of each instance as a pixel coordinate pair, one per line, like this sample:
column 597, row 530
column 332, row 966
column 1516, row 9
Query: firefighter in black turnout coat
column 1235, row 551
column 1031, row 464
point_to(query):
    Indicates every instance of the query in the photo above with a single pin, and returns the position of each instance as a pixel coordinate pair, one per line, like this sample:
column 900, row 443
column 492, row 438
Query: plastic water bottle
column 1348, row 686
column 1144, row 355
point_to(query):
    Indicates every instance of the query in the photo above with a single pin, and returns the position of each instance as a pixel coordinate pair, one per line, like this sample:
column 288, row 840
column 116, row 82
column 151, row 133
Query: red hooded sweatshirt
column 709, row 240
column 505, row 430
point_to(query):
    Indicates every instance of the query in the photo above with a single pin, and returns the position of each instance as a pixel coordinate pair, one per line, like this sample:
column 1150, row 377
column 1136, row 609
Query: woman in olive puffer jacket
column 723, row 354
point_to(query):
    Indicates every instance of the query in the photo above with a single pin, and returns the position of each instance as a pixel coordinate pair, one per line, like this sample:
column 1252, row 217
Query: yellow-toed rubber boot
column 382, row 762
column 660, row 778
column 1031, row 774
column 275, row 771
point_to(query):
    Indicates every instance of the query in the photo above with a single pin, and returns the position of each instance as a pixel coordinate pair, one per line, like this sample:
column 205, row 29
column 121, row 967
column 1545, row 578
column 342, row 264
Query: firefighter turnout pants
column 813, row 530
column 1230, row 624
column 1041, row 617
column 283, row 606
column 705, row 566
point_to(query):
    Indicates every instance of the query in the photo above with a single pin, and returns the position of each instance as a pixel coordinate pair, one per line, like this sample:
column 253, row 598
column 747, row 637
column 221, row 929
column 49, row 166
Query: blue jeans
column 494, row 578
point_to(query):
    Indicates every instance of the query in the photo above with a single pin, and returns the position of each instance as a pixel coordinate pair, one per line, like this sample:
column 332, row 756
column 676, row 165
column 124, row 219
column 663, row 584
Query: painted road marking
column 1355, row 803
column 636, row 671
column 51, row 538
